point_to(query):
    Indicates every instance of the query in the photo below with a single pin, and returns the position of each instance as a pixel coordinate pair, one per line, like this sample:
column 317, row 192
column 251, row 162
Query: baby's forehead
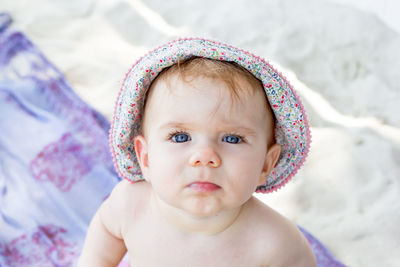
column 168, row 101
column 239, row 86
column 239, row 96
column 236, row 86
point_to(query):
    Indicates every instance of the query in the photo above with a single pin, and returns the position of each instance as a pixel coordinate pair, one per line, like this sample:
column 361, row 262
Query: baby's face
column 204, row 152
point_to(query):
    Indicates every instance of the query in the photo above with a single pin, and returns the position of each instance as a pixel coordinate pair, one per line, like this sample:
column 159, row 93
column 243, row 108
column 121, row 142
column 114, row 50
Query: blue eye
column 232, row 139
column 180, row 138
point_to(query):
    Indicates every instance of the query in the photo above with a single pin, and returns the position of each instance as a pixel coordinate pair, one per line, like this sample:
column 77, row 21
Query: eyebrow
column 234, row 128
column 173, row 125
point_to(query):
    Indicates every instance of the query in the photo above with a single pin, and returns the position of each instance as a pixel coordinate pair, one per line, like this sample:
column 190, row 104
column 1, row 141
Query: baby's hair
column 231, row 73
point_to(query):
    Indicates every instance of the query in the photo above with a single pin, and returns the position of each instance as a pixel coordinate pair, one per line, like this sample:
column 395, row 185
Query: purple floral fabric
column 55, row 164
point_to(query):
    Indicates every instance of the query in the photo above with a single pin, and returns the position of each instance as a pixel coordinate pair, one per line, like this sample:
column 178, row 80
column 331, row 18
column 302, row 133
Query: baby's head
column 196, row 94
column 207, row 130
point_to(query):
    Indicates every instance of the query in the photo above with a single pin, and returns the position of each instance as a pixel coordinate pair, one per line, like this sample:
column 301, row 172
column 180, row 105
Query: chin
column 203, row 208
column 204, row 214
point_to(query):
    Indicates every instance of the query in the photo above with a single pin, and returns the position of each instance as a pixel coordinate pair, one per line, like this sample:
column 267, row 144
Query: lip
column 204, row 186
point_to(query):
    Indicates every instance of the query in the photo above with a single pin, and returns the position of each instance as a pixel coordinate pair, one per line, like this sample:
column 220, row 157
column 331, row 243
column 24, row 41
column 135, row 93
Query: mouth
column 204, row 187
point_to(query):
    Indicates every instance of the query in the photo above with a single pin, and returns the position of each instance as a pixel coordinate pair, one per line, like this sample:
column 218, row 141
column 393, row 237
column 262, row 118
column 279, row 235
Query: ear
column 270, row 160
column 142, row 154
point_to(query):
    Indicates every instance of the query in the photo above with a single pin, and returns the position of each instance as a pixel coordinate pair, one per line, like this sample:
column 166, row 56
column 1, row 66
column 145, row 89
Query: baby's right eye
column 180, row 138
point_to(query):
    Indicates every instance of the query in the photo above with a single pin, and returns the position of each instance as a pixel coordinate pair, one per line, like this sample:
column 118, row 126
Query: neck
column 193, row 224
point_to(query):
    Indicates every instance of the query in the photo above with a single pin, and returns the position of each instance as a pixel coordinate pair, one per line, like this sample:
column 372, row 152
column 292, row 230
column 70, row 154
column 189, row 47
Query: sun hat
column 291, row 125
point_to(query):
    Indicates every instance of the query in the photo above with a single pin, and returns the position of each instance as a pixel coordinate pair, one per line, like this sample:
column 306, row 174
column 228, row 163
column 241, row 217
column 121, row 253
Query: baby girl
column 200, row 126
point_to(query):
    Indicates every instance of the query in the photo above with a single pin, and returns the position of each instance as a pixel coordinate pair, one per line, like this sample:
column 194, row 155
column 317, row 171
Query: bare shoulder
column 126, row 194
column 123, row 205
column 284, row 244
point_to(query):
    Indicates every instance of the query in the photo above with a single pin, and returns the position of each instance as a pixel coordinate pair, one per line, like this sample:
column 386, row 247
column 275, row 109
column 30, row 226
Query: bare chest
column 152, row 247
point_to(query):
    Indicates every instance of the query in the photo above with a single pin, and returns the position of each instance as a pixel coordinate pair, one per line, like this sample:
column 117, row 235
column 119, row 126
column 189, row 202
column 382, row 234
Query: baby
column 203, row 125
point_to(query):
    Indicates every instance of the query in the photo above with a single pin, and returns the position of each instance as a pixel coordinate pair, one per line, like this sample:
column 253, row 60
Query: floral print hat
column 291, row 125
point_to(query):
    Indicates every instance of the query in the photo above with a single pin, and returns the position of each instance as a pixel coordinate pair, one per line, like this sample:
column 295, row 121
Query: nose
column 205, row 157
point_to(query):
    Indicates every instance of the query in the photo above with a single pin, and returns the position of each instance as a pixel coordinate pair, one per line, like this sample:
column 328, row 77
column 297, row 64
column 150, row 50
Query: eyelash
column 241, row 137
column 175, row 132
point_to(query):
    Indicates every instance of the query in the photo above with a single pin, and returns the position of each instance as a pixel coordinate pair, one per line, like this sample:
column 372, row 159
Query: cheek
column 165, row 161
column 248, row 158
column 246, row 168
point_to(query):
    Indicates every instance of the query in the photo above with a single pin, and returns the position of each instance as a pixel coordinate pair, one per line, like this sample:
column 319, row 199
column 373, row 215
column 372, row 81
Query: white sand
column 347, row 64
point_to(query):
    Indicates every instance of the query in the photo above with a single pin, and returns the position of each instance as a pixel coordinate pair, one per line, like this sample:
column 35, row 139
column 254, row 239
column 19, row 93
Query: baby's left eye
column 232, row 139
